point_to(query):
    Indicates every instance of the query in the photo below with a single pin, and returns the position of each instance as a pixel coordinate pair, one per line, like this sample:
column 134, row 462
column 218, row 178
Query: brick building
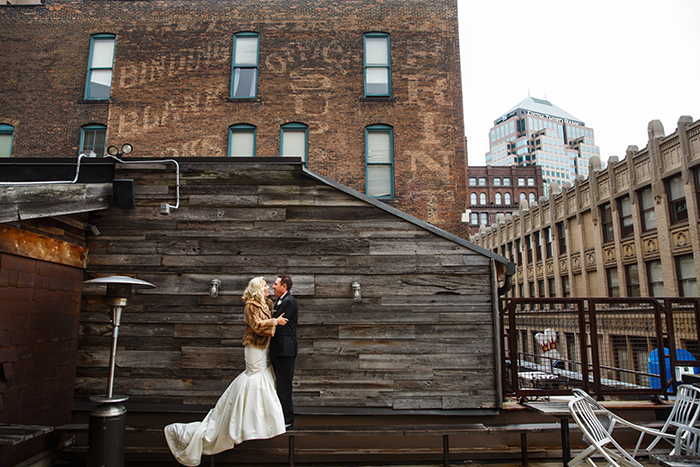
column 367, row 93
column 498, row 190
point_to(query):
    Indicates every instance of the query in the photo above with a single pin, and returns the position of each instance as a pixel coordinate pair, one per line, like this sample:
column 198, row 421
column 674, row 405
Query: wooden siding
column 421, row 338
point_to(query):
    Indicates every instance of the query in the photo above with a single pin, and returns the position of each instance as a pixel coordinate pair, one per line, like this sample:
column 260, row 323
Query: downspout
column 508, row 283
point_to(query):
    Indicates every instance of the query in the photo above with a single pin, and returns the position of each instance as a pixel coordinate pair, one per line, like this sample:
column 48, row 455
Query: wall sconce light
column 356, row 293
column 214, row 287
column 93, row 229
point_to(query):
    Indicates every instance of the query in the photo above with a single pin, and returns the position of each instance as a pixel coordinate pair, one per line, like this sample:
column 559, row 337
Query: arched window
column 473, row 199
column 482, row 198
column 7, row 133
column 241, row 140
column 92, row 138
column 531, row 198
column 294, row 140
column 507, row 199
column 523, row 196
column 379, row 157
column 499, row 198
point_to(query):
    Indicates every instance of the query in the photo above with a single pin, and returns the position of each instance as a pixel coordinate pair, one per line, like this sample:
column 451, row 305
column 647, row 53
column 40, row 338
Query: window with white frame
column 646, row 208
column 7, row 133
column 241, row 140
column 632, row 276
column 473, row 199
column 484, row 218
column 613, row 282
column 380, row 161
column 377, row 65
column 293, row 140
column 507, row 198
column 499, row 198
column 625, row 213
column 244, row 75
column 101, row 62
column 678, row 208
column 475, row 218
column 687, row 278
column 655, row 273
column 93, row 138
column 606, row 222
column 482, row 198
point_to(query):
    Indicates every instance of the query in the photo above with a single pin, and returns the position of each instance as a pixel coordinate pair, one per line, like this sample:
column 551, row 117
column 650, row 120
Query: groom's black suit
column 283, row 352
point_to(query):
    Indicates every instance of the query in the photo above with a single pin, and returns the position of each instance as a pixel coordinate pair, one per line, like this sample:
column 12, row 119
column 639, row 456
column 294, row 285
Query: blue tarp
column 653, row 362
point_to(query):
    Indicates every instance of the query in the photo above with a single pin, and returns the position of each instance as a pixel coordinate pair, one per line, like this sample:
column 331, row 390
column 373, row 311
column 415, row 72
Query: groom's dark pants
column 284, row 374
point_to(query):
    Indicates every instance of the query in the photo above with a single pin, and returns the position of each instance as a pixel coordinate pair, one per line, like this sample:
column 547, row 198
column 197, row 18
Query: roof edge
column 407, row 217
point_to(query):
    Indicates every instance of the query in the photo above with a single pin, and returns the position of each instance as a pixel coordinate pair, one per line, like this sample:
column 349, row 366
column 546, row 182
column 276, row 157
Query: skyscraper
column 537, row 132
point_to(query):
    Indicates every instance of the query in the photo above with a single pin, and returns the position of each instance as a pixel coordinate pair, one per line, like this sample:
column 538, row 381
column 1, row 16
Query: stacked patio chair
column 589, row 416
column 685, row 412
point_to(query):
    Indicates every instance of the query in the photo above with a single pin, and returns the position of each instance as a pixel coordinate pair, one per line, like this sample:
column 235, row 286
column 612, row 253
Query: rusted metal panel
column 31, row 245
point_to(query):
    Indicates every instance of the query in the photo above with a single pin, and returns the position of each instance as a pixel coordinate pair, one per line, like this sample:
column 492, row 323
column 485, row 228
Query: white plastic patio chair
column 687, row 441
column 583, row 410
column 685, row 412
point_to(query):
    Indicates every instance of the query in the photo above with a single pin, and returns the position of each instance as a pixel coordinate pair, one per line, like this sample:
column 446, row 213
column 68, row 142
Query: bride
column 249, row 408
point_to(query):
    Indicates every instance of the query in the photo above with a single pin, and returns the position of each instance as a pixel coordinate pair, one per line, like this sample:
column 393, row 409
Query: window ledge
column 242, row 99
column 377, row 99
column 95, row 101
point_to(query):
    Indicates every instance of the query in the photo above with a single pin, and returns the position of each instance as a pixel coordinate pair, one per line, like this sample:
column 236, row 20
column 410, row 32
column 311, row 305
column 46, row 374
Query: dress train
column 248, row 409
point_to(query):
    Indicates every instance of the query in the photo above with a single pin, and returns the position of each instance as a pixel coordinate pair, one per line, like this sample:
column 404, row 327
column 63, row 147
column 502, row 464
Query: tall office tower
column 536, row 132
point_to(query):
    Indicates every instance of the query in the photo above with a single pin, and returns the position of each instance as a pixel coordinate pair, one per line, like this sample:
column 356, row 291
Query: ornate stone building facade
column 628, row 230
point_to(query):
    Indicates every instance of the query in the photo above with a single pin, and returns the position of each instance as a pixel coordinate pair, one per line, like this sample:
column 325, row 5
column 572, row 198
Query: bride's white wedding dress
column 248, row 409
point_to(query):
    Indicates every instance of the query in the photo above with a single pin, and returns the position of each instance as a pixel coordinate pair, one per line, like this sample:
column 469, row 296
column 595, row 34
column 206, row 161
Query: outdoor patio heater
column 108, row 420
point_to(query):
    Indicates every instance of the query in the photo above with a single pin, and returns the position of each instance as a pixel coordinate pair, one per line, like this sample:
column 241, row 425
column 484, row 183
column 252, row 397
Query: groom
column 283, row 345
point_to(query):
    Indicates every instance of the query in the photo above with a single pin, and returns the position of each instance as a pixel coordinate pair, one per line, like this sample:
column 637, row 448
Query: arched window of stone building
column 473, row 199
column 507, row 199
column 499, row 198
column 531, row 198
column 482, row 198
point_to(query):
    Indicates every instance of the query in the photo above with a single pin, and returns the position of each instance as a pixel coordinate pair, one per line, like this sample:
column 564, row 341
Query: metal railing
column 607, row 346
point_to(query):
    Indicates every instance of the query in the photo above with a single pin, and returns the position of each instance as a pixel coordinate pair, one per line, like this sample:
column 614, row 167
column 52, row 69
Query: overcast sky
column 614, row 64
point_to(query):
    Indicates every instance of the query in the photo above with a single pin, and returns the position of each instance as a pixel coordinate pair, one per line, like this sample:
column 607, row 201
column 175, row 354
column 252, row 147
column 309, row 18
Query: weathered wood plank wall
column 421, row 338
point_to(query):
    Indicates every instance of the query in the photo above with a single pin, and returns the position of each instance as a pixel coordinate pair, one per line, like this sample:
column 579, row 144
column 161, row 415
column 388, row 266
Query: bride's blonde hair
column 256, row 291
